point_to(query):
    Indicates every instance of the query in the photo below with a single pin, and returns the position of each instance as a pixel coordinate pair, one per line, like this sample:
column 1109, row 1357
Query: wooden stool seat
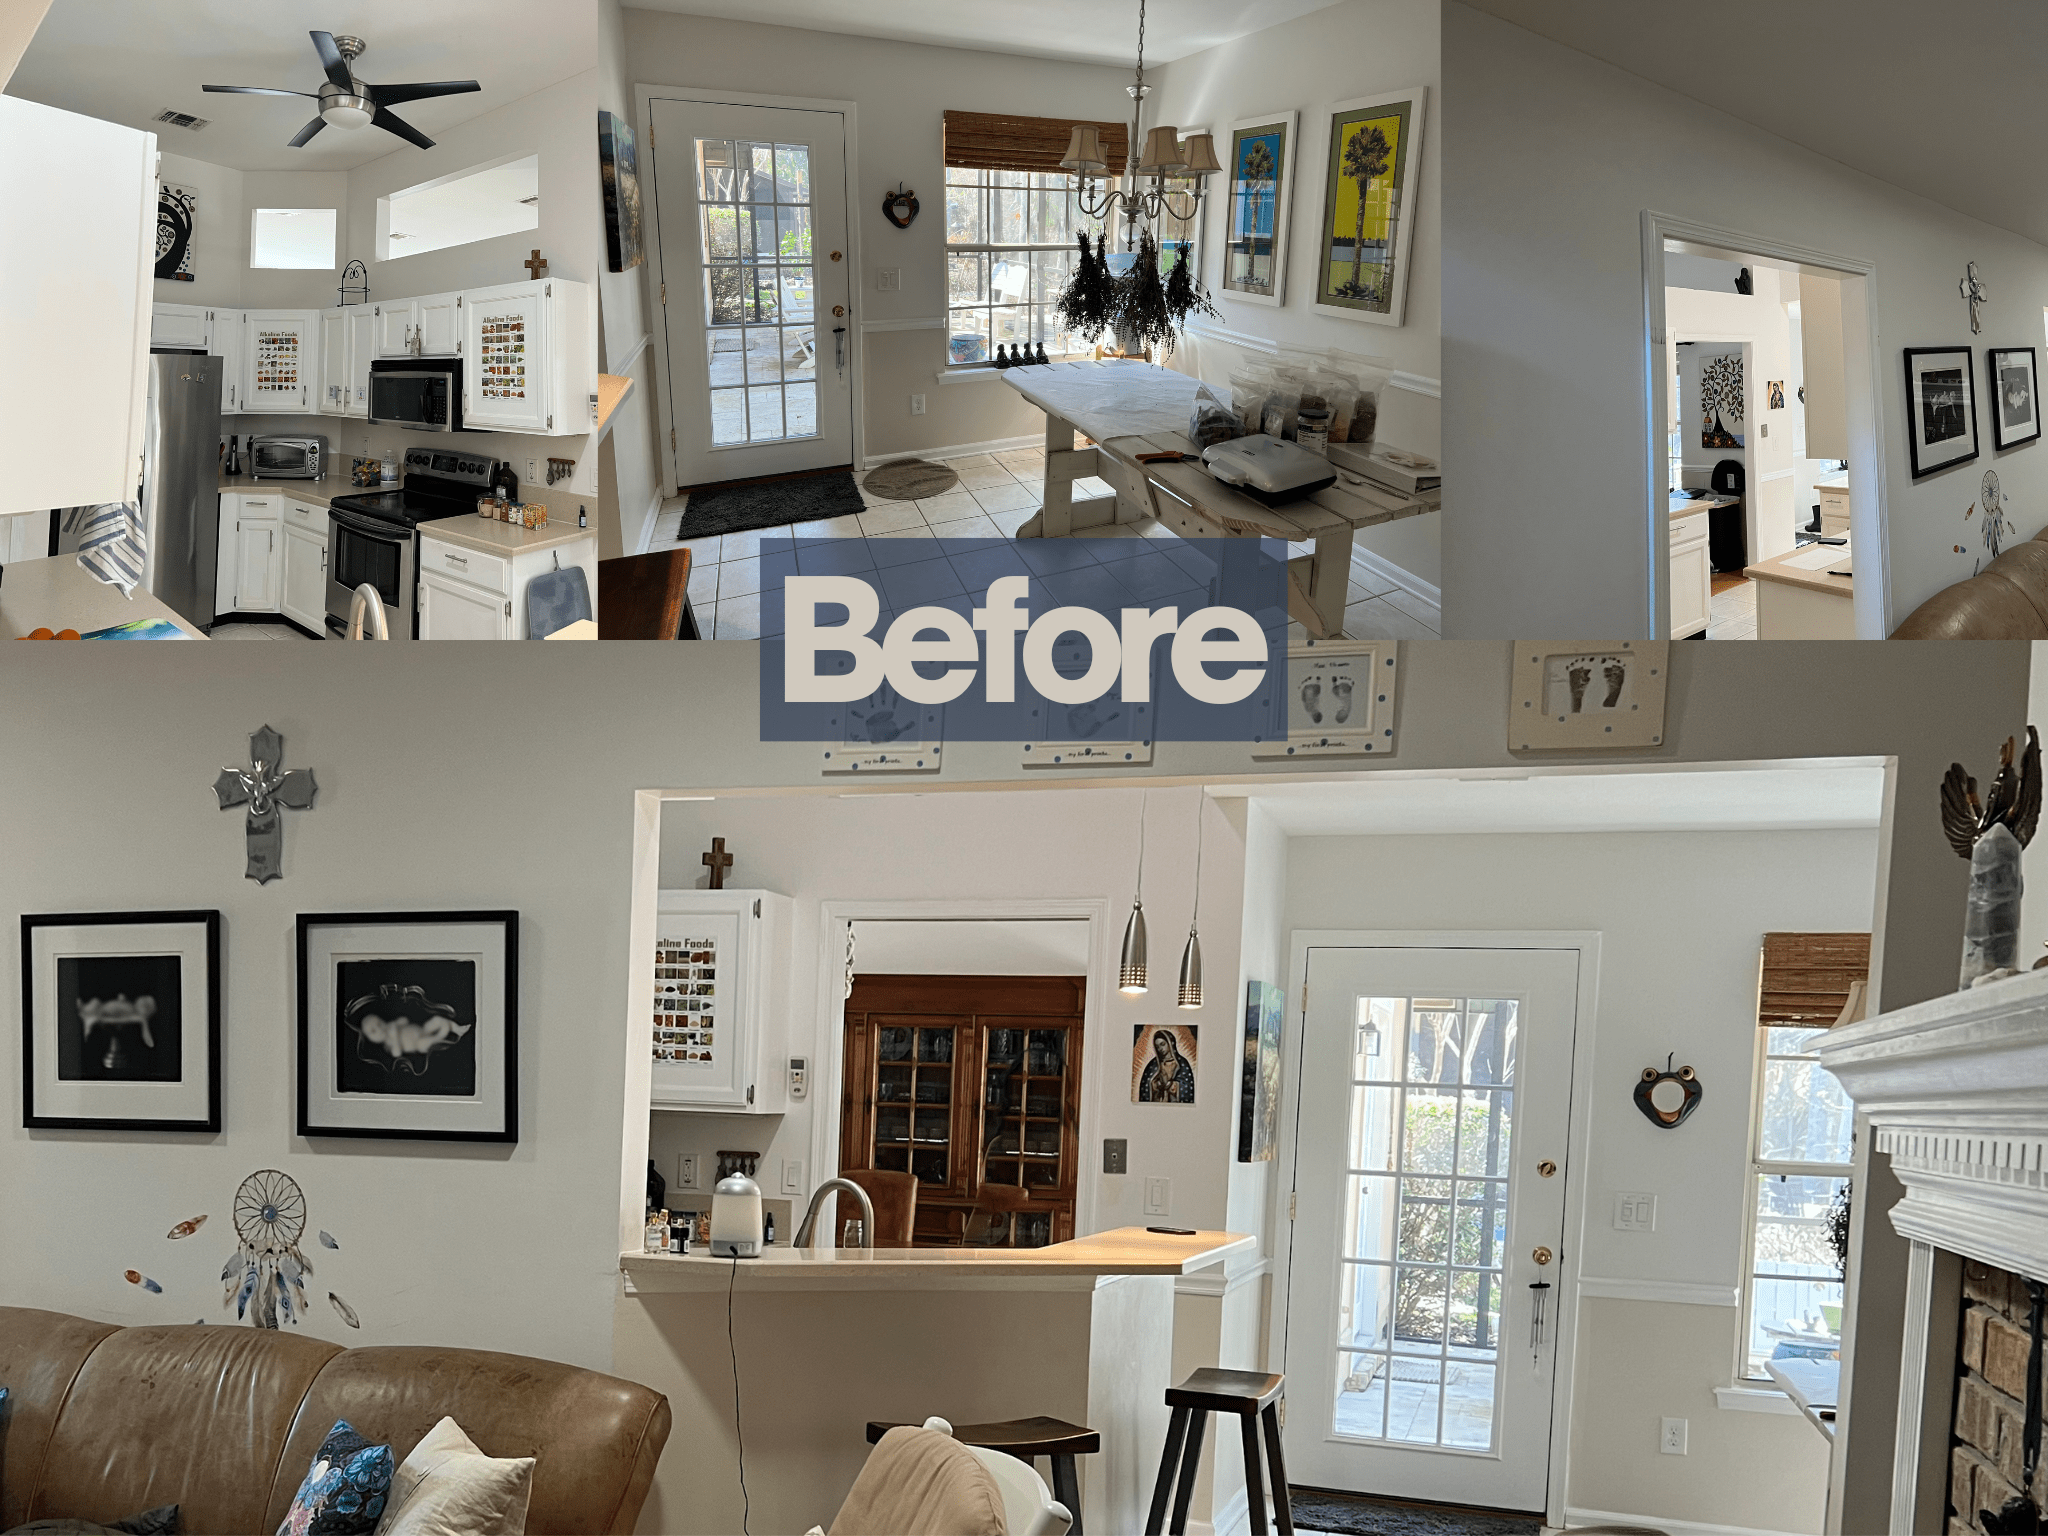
column 1254, row 1396
column 1024, row 1439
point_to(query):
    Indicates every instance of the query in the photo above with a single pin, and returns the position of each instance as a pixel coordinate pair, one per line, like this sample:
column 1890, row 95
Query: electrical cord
column 739, row 1435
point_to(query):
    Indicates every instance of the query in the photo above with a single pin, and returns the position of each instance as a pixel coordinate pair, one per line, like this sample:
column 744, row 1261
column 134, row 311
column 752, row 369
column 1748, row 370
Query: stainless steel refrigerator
column 181, row 482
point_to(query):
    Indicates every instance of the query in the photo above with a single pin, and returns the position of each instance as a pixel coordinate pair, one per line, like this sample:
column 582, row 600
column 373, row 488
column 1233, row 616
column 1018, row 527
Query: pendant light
column 1131, row 974
column 1190, row 993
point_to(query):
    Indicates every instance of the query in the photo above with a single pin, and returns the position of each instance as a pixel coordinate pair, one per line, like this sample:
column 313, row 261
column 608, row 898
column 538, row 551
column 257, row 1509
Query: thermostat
column 799, row 1076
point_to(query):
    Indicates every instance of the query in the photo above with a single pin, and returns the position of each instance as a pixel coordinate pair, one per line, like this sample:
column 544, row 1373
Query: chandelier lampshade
column 1162, row 152
column 1084, row 150
column 1199, row 152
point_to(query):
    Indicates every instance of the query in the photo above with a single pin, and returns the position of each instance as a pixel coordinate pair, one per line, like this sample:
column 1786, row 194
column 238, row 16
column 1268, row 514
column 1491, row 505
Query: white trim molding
column 956, row 450
column 909, row 323
column 1688, row 1293
column 1406, row 580
column 1664, row 1523
column 625, row 364
column 1756, row 1400
column 1220, row 1279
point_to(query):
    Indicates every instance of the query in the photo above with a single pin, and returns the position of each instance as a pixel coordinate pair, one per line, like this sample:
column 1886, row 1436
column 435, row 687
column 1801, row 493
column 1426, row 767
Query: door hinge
column 1290, row 1204
column 664, row 293
column 551, row 421
column 671, row 439
column 1283, row 1413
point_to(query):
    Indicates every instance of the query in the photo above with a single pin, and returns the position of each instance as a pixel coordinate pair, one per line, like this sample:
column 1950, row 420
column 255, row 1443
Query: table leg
column 1056, row 515
column 1318, row 585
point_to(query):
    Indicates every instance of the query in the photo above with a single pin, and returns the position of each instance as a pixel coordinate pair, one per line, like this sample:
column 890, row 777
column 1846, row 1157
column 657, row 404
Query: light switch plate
column 1635, row 1213
column 792, row 1175
column 686, row 1171
column 1158, row 1196
column 889, row 280
column 1116, row 1155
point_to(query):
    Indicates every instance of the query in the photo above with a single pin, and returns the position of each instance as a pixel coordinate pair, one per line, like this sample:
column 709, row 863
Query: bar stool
column 1024, row 1439
column 1252, row 1396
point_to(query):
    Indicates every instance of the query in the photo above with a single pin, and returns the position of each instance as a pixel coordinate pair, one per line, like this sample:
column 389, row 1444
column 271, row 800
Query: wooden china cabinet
column 972, row 1083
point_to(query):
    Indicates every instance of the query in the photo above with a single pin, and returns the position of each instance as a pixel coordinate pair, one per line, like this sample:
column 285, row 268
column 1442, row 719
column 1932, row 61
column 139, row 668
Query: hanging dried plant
column 1085, row 307
column 1139, row 310
column 1185, row 296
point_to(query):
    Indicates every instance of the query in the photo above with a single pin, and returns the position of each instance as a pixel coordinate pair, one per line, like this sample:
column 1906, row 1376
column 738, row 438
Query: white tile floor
column 257, row 632
column 996, row 495
column 1731, row 615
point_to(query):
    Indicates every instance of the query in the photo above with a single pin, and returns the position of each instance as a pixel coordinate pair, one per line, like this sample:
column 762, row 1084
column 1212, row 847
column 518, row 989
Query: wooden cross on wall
column 718, row 861
column 536, row 265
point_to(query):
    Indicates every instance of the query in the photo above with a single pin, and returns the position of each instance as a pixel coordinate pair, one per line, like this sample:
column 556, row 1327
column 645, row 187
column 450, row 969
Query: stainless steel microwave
column 286, row 458
column 420, row 393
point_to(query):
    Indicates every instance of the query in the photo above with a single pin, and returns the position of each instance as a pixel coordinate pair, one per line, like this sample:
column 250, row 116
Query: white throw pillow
column 447, row 1487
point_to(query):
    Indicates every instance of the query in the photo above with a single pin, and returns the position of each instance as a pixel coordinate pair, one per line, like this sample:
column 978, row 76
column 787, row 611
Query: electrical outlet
column 533, row 471
column 889, row 280
column 1767, row 428
column 1158, row 1196
column 1635, row 1213
column 1116, row 1155
column 917, row 405
column 686, row 1171
column 1671, row 1440
column 792, row 1175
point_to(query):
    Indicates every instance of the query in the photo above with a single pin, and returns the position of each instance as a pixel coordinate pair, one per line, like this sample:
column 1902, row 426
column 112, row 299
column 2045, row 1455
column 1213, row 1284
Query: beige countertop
column 1815, row 579
column 322, row 490
column 1834, row 482
column 1686, row 506
column 55, row 593
column 494, row 538
column 1075, row 1265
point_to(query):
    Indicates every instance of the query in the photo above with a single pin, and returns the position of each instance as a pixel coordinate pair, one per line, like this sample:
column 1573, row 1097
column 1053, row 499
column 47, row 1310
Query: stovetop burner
column 438, row 483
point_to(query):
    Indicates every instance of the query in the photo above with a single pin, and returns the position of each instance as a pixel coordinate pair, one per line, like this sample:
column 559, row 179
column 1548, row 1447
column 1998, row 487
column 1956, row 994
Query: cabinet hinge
column 757, row 906
column 549, row 290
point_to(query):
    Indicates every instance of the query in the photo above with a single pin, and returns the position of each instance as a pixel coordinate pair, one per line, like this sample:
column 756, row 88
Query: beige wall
column 17, row 25
column 633, row 477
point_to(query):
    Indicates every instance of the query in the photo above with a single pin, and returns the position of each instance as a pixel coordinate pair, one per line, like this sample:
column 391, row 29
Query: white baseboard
column 957, row 450
column 646, row 540
column 1407, row 581
column 1574, row 1518
column 1233, row 1519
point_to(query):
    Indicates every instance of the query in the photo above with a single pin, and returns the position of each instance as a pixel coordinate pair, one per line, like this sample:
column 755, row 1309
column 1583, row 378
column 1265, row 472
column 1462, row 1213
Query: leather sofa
column 103, row 1422
column 2007, row 600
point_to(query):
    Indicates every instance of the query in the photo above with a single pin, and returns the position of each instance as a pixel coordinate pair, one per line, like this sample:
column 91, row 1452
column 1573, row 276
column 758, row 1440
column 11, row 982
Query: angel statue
column 1990, row 834
column 267, row 1274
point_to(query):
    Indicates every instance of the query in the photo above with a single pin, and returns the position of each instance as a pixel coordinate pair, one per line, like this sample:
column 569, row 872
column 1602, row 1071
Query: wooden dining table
column 1126, row 408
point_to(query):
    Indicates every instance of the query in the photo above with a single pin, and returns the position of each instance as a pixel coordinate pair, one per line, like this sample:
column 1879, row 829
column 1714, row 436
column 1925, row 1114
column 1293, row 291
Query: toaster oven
column 286, row 458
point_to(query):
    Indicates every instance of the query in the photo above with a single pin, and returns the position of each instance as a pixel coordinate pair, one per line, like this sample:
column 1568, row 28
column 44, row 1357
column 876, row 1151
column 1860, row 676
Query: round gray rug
column 909, row 480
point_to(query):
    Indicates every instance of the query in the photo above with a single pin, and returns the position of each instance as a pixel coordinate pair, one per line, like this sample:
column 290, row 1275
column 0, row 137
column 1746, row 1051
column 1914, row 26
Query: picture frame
column 1339, row 701
column 121, row 1021
column 1258, row 1104
column 1164, row 1063
column 177, row 216
column 619, row 170
column 1941, row 408
column 1583, row 698
column 1258, row 205
column 408, row 1025
column 2012, row 383
column 885, row 733
column 1109, row 730
column 1359, row 200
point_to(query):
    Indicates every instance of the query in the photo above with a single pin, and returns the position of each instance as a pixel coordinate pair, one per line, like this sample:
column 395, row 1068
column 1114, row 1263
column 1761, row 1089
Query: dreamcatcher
column 268, row 1273
column 1991, row 497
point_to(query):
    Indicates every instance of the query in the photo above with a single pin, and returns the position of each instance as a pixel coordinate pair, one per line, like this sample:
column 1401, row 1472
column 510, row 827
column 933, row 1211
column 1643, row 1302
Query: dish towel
column 112, row 546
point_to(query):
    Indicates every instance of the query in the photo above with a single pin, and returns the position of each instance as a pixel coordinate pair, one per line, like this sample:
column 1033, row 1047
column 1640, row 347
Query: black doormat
column 1351, row 1515
column 737, row 508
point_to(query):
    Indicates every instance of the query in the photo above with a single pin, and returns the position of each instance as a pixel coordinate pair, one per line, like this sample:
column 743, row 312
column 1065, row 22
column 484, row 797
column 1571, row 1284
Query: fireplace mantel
column 1955, row 1089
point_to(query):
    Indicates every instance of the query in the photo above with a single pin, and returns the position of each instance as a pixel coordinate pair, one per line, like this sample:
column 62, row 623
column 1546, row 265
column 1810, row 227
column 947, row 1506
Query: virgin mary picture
column 1163, row 1064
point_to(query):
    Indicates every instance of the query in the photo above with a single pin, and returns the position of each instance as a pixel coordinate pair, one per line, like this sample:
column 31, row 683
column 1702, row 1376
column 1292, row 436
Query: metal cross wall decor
column 718, row 861
column 1974, row 292
column 264, row 787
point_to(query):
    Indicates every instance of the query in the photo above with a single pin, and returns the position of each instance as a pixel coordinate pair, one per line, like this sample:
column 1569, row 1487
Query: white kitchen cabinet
column 395, row 321
column 281, row 362
column 303, row 595
column 453, row 609
column 224, row 335
column 474, row 584
column 530, row 357
column 258, row 553
column 227, row 554
column 362, row 346
column 434, row 321
column 334, row 385
column 717, row 981
column 179, row 325
column 1834, row 510
column 1692, row 575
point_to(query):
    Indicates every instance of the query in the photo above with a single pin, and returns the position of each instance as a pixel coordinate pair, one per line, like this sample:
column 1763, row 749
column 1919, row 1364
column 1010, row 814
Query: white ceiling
column 1087, row 31
column 1943, row 101
column 127, row 60
column 1772, row 797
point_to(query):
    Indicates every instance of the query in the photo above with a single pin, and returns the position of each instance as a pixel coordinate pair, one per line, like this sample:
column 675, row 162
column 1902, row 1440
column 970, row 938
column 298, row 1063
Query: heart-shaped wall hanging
column 899, row 207
column 1667, row 1097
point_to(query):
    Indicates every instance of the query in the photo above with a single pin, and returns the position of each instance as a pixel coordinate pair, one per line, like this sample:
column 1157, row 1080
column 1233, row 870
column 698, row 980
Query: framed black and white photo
column 409, row 1025
column 2015, row 387
column 120, row 1021
column 1941, row 408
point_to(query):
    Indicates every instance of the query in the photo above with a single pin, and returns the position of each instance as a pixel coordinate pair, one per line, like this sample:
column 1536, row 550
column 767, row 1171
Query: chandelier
column 1165, row 154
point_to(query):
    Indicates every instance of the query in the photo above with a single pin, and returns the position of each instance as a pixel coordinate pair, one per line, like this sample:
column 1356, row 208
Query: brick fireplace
column 1991, row 1392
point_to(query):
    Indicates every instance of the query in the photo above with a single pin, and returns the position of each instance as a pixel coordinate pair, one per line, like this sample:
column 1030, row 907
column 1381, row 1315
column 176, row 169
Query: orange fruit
column 67, row 634
column 40, row 634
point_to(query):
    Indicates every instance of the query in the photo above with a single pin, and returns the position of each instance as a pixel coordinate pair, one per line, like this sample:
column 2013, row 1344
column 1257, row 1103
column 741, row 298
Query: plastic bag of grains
column 1284, row 404
column 1211, row 421
column 1251, row 385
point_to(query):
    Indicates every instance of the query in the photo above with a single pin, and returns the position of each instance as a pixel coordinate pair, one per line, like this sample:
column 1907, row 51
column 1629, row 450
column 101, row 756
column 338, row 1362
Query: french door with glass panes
column 1433, row 1106
column 754, row 285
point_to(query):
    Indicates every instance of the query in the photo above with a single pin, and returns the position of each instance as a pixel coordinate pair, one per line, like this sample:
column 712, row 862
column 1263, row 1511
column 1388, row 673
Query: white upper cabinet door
column 397, row 319
column 362, row 346
column 178, row 325
column 281, row 371
column 439, row 320
column 224, row 341
column 334, row 371
column 505, row 334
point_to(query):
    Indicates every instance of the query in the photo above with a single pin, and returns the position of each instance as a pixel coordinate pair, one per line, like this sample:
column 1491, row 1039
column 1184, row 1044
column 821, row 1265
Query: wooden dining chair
column 645, row 597
column 995, row 1211
column 894, row 1197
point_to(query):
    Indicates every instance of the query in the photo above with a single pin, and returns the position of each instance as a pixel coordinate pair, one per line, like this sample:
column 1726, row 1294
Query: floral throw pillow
column 345, row 1489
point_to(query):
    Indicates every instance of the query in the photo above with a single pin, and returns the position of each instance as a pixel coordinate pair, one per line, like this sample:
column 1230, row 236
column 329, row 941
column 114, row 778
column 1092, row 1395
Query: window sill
column 1755, row 1399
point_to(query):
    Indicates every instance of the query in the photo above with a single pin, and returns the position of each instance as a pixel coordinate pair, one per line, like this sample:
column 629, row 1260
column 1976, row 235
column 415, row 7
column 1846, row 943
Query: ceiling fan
column 348, row 102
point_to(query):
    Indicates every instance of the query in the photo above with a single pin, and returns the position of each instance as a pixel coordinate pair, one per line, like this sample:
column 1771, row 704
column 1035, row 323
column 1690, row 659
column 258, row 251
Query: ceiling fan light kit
column 349, row 103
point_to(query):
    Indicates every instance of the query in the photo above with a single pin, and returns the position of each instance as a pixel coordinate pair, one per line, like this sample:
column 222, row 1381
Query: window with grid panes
column 1010, row 249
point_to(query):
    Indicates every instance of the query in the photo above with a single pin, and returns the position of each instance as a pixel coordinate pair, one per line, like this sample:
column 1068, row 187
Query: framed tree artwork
column 120, row 1021
column 1370, row 185
column 408, row 1025
column 1941, row 408
column 2015, row 386
column 177, row 210
column 1258, row 207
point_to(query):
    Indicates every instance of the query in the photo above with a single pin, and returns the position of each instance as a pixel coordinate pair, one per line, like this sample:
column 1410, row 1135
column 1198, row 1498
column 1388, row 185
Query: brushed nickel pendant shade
column 1132, row 974
column 1189, row 994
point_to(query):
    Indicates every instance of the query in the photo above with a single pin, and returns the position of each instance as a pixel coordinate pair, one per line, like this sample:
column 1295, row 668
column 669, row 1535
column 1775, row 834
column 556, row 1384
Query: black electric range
column 372, row 538
column 438, row 483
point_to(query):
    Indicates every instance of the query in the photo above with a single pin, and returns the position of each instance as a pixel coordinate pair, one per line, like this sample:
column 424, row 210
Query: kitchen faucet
column 867, row 1211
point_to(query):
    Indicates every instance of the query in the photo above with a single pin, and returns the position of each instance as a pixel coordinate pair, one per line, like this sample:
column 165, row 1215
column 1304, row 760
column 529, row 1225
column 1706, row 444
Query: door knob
column 1542, row 1255
column 835, row 255
column 1547, row 1168
column 838, row 309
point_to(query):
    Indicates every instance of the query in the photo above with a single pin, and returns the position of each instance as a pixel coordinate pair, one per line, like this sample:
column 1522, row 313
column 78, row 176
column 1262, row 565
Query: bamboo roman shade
column 1808, row 977
column 995, row 141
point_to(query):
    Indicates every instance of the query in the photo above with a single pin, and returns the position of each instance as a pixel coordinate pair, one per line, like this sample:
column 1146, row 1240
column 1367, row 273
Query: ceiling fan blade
column 332, row 61
column 307, row 132
column 392, row 95
column 257, row 90
column 391, row 123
